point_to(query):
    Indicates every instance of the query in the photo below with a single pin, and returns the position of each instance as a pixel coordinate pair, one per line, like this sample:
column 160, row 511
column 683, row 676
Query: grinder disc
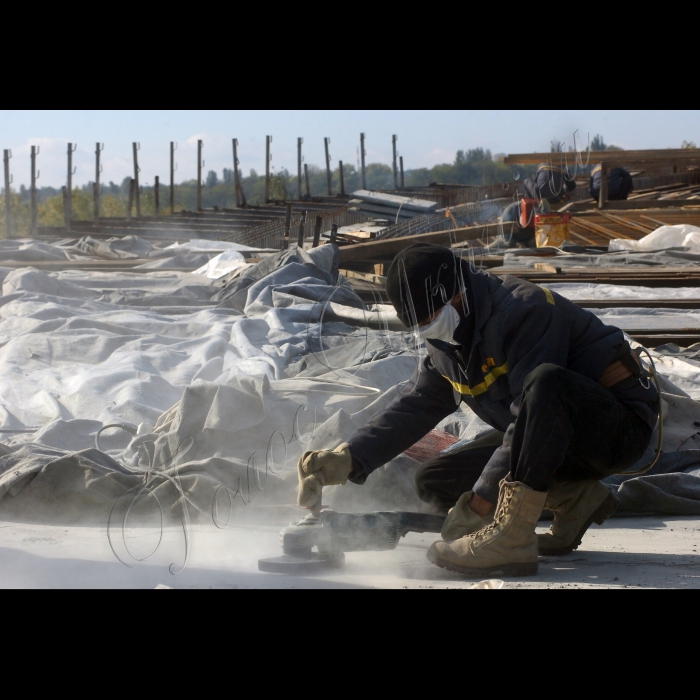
column 306, row 565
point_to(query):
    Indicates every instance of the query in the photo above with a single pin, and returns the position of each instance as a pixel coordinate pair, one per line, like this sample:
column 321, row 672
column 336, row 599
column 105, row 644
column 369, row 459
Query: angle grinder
column 319, row 542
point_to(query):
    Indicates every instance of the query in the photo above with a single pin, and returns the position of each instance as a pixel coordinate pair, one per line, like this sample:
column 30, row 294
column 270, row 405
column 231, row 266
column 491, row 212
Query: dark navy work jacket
column 513, row 328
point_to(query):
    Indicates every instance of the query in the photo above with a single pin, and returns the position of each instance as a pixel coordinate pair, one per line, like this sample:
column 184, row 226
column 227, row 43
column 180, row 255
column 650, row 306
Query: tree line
column 470, row 167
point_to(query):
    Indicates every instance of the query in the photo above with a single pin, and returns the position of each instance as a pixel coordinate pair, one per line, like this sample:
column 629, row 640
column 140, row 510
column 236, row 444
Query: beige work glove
column 319, row 469
column 462, row 520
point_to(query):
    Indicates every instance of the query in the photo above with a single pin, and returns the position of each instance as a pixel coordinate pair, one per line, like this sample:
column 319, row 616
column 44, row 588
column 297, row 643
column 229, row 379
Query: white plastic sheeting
column 589, row 292
column 681, row 236
column 222, row 265
column 224, row 402
column 249, row 393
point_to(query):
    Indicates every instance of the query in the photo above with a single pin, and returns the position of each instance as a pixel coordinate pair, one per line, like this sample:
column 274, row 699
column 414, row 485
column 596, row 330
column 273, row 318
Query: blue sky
column 426, row 137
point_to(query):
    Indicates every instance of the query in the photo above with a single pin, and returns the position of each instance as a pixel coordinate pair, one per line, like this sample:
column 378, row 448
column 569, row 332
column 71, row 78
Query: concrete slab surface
column 624, row 553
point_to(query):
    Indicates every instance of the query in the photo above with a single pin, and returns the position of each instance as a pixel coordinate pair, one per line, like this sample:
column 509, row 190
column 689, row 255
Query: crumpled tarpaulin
column 219, row 390
column 220, row 398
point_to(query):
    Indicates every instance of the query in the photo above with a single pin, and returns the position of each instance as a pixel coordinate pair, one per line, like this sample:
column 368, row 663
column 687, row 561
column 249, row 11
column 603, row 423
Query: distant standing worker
column 550, row 186
column 620, row 184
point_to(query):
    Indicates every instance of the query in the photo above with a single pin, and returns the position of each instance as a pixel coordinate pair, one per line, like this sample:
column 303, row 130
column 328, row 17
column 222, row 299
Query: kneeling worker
column 563, row 391
column 620, row 184
column 549, row 186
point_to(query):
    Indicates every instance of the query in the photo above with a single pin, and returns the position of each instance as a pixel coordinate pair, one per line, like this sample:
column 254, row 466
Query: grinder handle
column 420, row 523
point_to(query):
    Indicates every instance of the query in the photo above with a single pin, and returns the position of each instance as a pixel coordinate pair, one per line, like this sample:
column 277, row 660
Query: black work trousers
column 569, row 428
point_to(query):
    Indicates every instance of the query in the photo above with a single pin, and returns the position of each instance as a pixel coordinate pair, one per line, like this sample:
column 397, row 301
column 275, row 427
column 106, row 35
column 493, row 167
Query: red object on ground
column 431, row 446
column 527, row 213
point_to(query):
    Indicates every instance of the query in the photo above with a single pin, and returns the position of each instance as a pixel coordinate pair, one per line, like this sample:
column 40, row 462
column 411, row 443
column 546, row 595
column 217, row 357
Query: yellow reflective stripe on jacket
column 482, row 388
column 549, row 295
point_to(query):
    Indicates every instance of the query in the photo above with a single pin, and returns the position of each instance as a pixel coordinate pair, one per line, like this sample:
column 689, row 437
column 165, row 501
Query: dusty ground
column 627, row 553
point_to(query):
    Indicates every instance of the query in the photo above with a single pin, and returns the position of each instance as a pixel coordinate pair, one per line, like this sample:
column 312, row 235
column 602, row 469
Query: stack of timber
column 262, row 226
column 599, row 227
column 590, row 229
column 667, row 193
column 675, row 169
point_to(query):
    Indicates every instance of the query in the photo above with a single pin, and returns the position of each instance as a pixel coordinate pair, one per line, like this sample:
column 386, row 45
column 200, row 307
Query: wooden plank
column 685, row 304
column 581, row 237
column 388, row 247
column 621, row 157
column 654, row 341
column 648, row 204
column 641, row 228
column 596, row 228
column 546, row 267
column 655, row 221
column 374, row 279
column 618, row 276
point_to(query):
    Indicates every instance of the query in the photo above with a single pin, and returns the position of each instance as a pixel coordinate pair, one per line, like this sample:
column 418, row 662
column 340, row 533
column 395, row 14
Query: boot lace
column 504, row 501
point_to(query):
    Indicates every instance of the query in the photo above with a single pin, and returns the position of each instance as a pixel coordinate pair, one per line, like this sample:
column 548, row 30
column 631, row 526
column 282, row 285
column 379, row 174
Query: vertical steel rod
column 363, row 156
column 98, row 173
column 200, row 146
column 157, row 196
column 302, row 229
column 317, row 231
column 300, row 160
column 342, row 179
column 240, row 192
column 130, row 206
column 8, row 196
column 329, row 173
column 308, row 181
column 66, row 214
column 288, row 226
column 137, row 170
column 394, row 139
column 236, row 180
column 172, row 178
column 268, row 160
column 33, row 194
column 68, row 199
column 403, row 179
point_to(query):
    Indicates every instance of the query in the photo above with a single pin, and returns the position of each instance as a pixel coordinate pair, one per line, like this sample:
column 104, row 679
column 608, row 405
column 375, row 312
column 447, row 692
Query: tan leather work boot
column 576, row 506
column 507, row 547
column 462, row 520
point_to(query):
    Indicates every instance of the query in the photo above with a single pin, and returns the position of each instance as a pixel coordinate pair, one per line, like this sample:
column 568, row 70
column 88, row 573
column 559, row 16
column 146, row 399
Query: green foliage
column 472, row 167
column 50, row 211
column 598, row 144
column 688, row 145
column 278, row 187
column 21, row 216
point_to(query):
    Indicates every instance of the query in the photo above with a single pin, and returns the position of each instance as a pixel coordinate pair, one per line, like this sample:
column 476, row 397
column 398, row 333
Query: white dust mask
column 443, row 327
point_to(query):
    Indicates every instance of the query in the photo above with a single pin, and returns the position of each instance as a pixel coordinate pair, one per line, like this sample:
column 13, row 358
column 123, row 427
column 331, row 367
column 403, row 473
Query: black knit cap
column 423, row 276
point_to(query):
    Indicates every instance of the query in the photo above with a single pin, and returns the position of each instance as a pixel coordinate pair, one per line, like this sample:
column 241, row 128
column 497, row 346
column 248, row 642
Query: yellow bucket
column 552, row 230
